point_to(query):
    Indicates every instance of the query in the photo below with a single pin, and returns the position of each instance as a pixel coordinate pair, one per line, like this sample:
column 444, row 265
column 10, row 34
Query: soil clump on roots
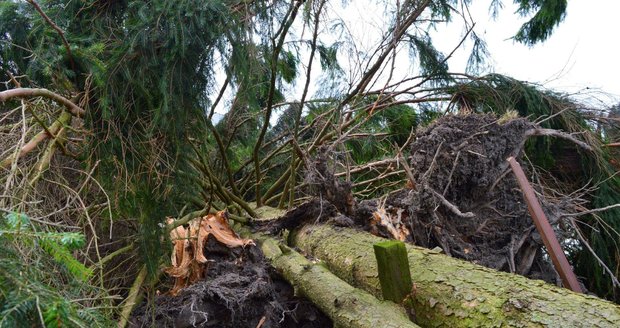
column 465, row 198
column 240, row 289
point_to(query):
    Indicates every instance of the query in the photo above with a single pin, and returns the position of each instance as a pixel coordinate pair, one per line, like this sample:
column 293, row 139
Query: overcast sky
column 582, row 52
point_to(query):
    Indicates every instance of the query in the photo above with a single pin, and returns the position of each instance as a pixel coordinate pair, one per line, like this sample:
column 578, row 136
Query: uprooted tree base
column 463, row 197
column 240, row 290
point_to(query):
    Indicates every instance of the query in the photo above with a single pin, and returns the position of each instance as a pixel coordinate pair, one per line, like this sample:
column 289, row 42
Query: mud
column 240, row 290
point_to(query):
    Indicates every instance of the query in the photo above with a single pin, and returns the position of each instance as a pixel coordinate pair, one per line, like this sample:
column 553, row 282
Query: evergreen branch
column 64, row 257
column 224, row 157
column 218, row 185
column 55, row 27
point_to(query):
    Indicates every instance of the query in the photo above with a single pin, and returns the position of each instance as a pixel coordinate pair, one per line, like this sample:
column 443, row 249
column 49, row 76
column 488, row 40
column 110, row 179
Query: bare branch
column 31, row 93
column 558, row 134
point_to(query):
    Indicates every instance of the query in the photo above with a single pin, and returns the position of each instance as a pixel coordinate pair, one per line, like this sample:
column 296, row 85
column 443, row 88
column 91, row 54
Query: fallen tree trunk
column 345, row 305
column 455, row 293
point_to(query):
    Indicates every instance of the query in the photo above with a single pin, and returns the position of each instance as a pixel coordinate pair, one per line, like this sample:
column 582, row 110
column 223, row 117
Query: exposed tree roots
column 239, row 290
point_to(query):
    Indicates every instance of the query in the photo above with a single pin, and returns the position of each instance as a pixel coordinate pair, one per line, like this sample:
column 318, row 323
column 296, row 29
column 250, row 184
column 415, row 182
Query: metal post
column 546, row 231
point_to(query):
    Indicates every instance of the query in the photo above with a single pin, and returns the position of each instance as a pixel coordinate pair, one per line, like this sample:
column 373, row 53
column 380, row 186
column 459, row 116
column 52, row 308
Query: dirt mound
column 240, row 290
column 467, row 201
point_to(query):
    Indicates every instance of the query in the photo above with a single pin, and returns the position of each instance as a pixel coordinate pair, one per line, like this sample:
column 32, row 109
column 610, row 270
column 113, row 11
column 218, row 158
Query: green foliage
column 328, row 57
column 287, row 66
column 56, row 244
column 548, row 14
column 602, row 232
column 382, row 135
column 432, row 62
column 14, row 24
column 63, row 256
column 479, row 55
column 17, row 220
column 36, row 290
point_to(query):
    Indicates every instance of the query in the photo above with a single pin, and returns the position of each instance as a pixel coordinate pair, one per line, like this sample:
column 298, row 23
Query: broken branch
column 30, row 93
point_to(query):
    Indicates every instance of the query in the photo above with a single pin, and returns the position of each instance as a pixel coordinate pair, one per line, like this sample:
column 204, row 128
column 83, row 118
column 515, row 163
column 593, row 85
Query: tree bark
column 58, row 125
column 454, row 293
column 30, row 93
column 345, row 305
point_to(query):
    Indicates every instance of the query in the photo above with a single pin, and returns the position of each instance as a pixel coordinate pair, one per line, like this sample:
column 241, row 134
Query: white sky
column 581, row 53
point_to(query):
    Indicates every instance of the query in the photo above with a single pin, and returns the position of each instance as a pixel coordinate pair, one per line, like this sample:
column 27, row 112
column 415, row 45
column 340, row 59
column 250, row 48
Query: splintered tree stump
column 393, row 267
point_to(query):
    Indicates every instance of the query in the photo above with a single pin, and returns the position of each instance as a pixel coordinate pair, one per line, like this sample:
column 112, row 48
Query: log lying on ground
column 345, row 305
column 455, row 293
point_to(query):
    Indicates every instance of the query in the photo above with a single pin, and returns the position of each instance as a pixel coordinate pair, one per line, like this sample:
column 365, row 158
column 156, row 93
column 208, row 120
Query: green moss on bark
column 455, row 293
column 345, row 305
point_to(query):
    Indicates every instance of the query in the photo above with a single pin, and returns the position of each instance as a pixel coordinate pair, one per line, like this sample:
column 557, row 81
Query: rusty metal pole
column 546, row 231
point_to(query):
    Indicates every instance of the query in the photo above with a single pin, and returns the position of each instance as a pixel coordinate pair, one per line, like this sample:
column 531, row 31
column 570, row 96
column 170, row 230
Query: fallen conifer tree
column 347, row 306
column 456, row 293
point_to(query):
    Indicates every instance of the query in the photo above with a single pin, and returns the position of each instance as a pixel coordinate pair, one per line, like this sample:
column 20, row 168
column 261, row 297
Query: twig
column 551, row 116
column 108, row 203
column 614, row 280
column 11, row 176
column 432, row 166
column 398, row 34
column 499, row 178
column 592, row 210
column 456, row 160
column 452, row 207
column 408, row 170
column 379, row 178
column 112, row 255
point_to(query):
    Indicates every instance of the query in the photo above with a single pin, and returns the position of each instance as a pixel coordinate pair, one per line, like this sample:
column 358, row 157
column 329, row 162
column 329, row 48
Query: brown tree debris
column 188, row 258
column 391, row 221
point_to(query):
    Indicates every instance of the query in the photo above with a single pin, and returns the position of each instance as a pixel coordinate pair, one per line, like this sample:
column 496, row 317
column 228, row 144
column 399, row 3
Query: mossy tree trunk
column 345, row 305
column 454, row 293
